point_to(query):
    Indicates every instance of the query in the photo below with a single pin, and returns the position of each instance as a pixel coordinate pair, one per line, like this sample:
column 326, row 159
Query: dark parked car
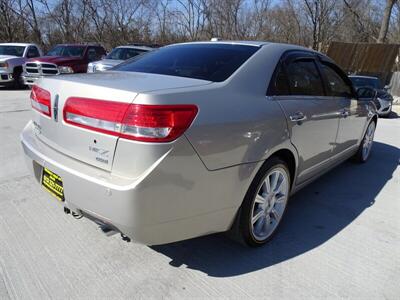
column 380, row 96
column 62, row 59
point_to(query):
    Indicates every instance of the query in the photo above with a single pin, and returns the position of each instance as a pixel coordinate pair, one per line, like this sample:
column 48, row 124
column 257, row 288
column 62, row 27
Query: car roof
column 80, row 45
column 360, row 76
column 17, row 44
column 282, row 46
column 228, row 42
column 136, row 47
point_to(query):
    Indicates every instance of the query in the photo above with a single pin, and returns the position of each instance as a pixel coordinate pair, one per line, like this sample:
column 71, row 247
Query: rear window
column 200, row 61
column 67, row 51
column 124, row 53
column 364, row 81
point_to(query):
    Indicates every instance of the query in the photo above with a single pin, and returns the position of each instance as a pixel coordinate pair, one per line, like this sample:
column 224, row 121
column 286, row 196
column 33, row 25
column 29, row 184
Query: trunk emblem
column 55, row 109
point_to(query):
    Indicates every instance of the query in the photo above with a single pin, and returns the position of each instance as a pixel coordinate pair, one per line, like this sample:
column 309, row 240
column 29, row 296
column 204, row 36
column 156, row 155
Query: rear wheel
column 265, row 203
column 366, row 144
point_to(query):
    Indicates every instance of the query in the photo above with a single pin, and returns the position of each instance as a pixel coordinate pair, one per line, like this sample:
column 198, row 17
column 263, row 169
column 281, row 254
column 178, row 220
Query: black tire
column 387, row 114
column 359, row 157
column 17, row 79
column 245, row 231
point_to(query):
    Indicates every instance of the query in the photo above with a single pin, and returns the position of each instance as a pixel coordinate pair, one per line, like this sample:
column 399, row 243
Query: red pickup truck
column 62, row 59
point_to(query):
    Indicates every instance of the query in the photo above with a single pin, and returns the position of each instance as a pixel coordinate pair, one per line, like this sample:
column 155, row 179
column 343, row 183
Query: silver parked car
column 195, row 138
column 117, row 56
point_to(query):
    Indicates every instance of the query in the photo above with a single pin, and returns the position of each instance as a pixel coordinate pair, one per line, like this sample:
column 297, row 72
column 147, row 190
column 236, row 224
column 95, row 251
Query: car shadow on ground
column 315, row 214
column 13, row 89
column 393, row 115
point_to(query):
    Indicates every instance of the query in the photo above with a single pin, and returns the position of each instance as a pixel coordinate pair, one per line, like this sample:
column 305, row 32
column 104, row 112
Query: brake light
column 147, row 123
column 41, row 100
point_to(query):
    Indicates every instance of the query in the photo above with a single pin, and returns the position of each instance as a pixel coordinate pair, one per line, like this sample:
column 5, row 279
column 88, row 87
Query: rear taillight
column 147, row 123
column 41, row 100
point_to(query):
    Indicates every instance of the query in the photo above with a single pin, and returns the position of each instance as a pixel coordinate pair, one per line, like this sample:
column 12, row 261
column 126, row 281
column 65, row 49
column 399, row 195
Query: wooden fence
column 380, row 60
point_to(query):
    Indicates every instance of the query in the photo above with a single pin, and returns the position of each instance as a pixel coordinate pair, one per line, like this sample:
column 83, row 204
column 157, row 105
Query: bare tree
column 99, row 19
column 385, row 21
column 27, row 11
column 324, row 17
column 7, row 20
column 161, row 14
column 190, row 17
column 225, row 19
column 312, row 23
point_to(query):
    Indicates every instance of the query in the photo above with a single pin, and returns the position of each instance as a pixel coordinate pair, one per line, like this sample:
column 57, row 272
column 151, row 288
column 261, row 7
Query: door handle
column 298, row 117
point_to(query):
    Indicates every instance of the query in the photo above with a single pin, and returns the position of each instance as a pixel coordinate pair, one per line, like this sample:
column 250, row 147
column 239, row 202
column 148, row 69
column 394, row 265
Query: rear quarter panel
column 245, row 130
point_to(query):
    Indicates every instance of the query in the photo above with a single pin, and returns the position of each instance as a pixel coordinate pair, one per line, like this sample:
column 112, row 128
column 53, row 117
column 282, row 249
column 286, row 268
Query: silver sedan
column 118, row 55
column 195, row 138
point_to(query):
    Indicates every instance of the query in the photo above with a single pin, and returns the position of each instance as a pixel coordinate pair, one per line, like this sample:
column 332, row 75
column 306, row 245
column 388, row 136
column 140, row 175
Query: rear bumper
column 176, row 199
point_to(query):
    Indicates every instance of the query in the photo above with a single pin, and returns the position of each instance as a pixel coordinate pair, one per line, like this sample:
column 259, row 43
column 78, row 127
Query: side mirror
column 366, row 93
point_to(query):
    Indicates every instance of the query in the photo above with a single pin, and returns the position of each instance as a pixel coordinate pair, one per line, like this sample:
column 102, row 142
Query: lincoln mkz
column 195, row 138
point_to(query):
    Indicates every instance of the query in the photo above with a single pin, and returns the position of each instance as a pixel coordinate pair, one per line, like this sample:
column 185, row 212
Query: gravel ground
column 340, row 239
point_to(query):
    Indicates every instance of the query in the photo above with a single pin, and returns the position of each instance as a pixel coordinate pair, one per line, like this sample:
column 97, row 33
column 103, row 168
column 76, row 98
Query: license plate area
column 53, row 184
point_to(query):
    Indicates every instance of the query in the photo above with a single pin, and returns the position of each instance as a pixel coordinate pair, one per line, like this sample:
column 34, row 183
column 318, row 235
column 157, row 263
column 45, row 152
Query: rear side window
column 280, row 84
column 304, row 78
column 200, row 61
column 337, row 86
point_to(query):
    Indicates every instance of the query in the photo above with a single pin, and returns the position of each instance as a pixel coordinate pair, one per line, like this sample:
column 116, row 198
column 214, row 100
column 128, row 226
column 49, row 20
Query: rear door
column 353, row 113
column 313, row 118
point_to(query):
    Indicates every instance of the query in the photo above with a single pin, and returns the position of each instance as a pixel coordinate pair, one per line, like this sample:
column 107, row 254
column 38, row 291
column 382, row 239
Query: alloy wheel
column 368, row 141
column 269, row 203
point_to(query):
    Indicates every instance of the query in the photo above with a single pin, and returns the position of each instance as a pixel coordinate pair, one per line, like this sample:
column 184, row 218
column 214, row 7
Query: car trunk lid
column 93, row 147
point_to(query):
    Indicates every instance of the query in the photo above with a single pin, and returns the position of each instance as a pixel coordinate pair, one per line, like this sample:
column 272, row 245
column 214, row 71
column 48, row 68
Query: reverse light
column 41, row 100
column 140, row 122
